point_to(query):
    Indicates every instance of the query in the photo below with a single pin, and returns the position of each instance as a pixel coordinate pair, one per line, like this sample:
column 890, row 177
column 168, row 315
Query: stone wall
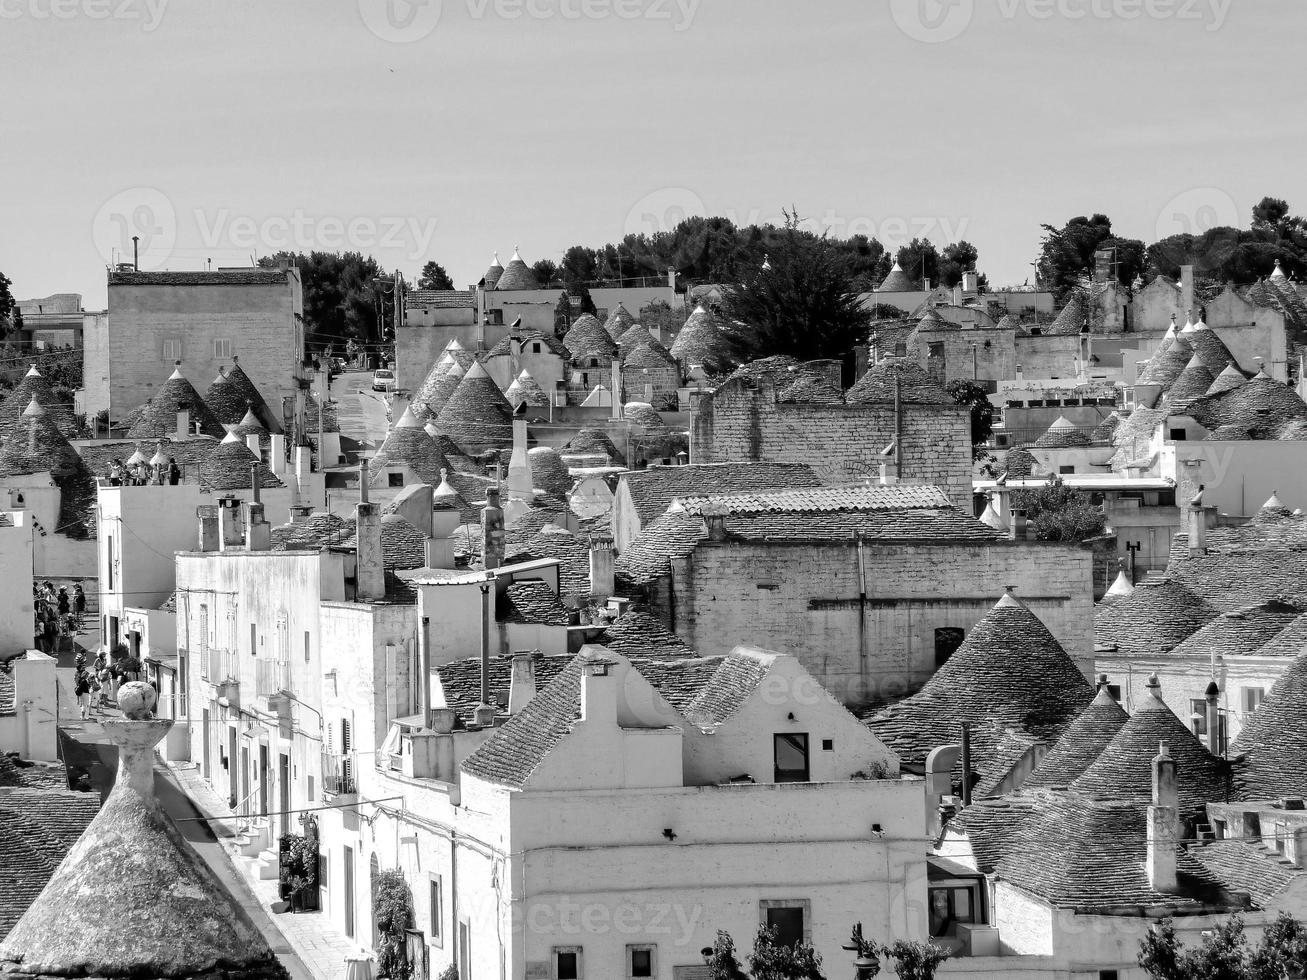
column 994, row 353
column 743, row 422
column 869, row 635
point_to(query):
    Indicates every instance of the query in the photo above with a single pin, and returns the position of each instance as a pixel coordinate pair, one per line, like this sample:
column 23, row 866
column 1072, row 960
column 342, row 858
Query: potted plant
column 393, row 907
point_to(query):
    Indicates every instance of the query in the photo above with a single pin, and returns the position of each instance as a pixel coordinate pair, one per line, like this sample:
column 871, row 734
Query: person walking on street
column 174, row 472
column 79, row 603
column 82, row 688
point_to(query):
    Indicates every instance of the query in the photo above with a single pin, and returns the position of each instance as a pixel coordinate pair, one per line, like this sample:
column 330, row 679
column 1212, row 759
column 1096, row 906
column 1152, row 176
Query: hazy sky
column 446, row 130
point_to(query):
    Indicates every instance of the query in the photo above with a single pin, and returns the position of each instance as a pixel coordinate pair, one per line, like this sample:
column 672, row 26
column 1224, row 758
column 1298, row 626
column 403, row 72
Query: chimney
column 1019, row 525
column 485, row 711
column 1163, row 832
column 258, row 532
column 1213, row 696
column 522, row 687
column 1186, row 287
column 277, row 454
column 439, row 552
column 601, row 567
column 370, row 568
column 252, row 443
column 299, row 513
column 1197, row 525
column 207, row 515
column 957, row 295
column 617, row 388
column 715, row 521
column 492, row 530
column 231, row 534
column 519, row 464
column 598, row 694
column 970, row 281
column 303, row 464
column 183, row 422
column 422, row 685
column 926, row 284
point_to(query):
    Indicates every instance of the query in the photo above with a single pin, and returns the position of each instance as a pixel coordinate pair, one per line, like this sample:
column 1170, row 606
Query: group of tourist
column 140, row 473
column 56, row 613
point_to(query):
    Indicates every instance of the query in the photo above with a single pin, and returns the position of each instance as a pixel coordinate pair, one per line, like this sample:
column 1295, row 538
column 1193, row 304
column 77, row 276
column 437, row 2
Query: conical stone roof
column 1010, row 671
column 1227, row 380
column 1105, row 429
column 588, row 338
column 897, row 282
column 459, row 353
column 477, row 413
column 916, row 385
column 1062, row 434
column 1152, row 620
column 619, row 321
column 517, row 275
column 232, row 394
column 408, row 443
column 249, row 426
column 227, row 467
column 133, row 899
column 591, row 440
column 158, row 416
column 1081, row 744
column 525, row 389
column 1193, row 382
column 1165, row 366
column 548, row 471
column 1073, row 318
column 1274, row 740
column 1123, row 771
column 36, row 445
column 35, row 385
column 701, row 341
column 439, row 385
column 491, row 278
column 1210, row 350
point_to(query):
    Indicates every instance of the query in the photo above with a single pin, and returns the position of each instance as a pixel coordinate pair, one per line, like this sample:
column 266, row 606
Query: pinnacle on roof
column 1010, row 671
column 91, row 919
column 526, row 390
column 1189, row 325
column 491, row 278
column 32, row 372
column 408, row 420
column 159, row 459
column 1121, row 588
column 1274, row 502
column 1123, row 771
column 991, row 517
column 619, row 321
column 33, row 408
column 1279, row 271
column 1082, row 743
column 897, row 281
column 1229, row 378
column 176, row 372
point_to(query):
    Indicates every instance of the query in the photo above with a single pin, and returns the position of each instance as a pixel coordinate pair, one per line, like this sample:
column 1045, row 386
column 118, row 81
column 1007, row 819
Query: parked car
column 383, row 379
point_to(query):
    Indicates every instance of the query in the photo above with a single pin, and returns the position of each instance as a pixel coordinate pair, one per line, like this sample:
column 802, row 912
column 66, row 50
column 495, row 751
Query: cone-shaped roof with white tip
column 35, row 385
column 1279, row 271
column 1189, row 325
column 897, row 281
column 525, row 389
column 1230, row 378
column 491, row 278
column 477, row 414
column 619, row 321
column 409, row 444
column 436, row 389
column 232, row 394
column 991, row 517
column 249, row 425
column 517, row 275
column 158, row 416
column 1121, row 588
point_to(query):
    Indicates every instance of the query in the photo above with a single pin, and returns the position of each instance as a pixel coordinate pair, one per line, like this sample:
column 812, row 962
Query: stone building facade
column 743, row 421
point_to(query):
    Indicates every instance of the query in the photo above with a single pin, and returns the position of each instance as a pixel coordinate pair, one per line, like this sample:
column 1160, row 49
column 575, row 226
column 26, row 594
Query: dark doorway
column 283, row 791
column 349, row 890
column 947, row 641
column 263, row 781
column 244, row 800
column 204, row 736
column 231, row 765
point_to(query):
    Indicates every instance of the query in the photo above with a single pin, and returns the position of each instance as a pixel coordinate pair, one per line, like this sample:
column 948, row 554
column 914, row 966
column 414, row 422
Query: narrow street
column 360, row 411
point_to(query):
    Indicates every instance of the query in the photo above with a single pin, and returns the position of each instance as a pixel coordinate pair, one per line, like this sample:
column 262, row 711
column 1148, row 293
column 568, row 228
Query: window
column 307, row 646
column 1108, row 975
column 535, row 348
column 947, row 641
column 640, row 961
column 789, row 919
column 949, row 906
column 172, row 350
column 1198, row 715
column 254, row 639
column 594, row 362
column 1114, row 692
column 1176, row 435
column 791, row 757
column 1062, row 470
column 1252, row 698
column 828, row 745
column 221, row 348
column 437, row 916
column 109, row 555
column 394, row 479
column 567, row 963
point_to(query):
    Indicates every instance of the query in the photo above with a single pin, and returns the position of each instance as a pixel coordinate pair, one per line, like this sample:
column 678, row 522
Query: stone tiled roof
column 7, row 703
column 1133, row 435
column 477, row 413
column 588, row 338
column 1288, row 642
column 232, row 393
column 649, row 355
column 532, row 603
column 1009, row 670
column 1123, row 770
column 436, row 389
column 505, row 346
column 402, row 545
column 1273, row 741
column 638, row 634
column 440, row 299
column 990, row 826
column 36, row 445
column 548, row 471
column 702, row 341
column 525, row 390
column 1060, row 435
column 233, row 277
column 725, row 691
column 1192, row 383
column 1105, row 429
column 1154, row 619
column 37, row 828
column 15, row 772
column 1081, row 744
column 1071, row 319
column 1246, row 866
column 1210, row 351
column 35, row 385
column 1165, row 366
column 572, row 552
column 619, row 321
column 877, row 385
column 517, row 275
column 795, row 381
column 158, row 416
column 1234, row 581
column 642, row 414
column 460, row 680
column 652, row 490
column 249, row 426
column 227, row 467
column 897, row 282
column 1238, row 633
column 1256, row 410
column 594, row 440
column 813, row 499
column 493, row 273
column 635, row 335
column 409, row 444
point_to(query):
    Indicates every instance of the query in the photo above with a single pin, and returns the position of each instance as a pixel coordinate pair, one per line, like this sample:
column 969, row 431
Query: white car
column 383, row 379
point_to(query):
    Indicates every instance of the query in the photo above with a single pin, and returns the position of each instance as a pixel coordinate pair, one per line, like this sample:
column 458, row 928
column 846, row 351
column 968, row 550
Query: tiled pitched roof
column 634, row 336
column 726, row 690
column 1081, row 744
column 505, row 346
column 1210, row 351
column 1273, row 741
column 158, row 416
column 1123, row 770
column 533, row 603
column 491, row 278
column 548, row 471
column 1238, row 633
column 35, row 445
column 1256, row 410
column 233, row 277
column 15, row 772
column 37, row 828
column 588, row 338
column 1234, row 581
column 817, row 499
column 642, row 414
column 990, row 826
column 525, row 390
column 1134, row 434
column 315, row 532
column 638, row 634
column 1105, row 429
column 402, row 545
column 1288, row 643
column 1154, row 619
column 572, row 553
column 440, row 299
column 232, row 393
column 593, row 440
column 1246, row 866
column 1009, row 670
column 917, row 386
column 460, row 680
column 652, row 490
column 795, row 381
column 1192, row 383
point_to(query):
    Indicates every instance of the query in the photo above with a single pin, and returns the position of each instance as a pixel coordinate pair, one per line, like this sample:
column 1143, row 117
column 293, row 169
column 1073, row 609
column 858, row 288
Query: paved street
column 361, row 412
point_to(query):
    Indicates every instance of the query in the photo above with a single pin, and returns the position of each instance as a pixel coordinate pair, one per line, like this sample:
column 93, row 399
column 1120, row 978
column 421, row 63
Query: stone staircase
column 255, row 846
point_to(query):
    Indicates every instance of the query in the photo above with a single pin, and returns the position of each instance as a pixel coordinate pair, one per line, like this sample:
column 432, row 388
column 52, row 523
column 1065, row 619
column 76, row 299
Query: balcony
column 271, row 677
column 338, row 774
column 220, row 667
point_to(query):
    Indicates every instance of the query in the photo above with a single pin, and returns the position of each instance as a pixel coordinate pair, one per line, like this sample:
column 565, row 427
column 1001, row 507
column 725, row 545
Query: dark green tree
column 579, row 267
column 982, row 411
column 919, row 259
column 804, row 305
column 587, row 304
column 546, row 273
column 722, row 958
column 11, row 318
column 434, row 276
column 1066, row 255
column 562, row 314
column 956, row 259
column 1057, row 512
column 342, row 300
column 773, row 960
column 1225, row 952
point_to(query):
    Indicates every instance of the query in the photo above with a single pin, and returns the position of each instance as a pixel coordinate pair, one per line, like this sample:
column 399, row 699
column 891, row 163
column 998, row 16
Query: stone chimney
column 602, row 568
column 277, row 454
column 370, row 568
column 492, row 530
column 970, row 281
column 183, row 422
column 1163, row 831
column 209, row 535
column 519, row 465
column 299, row 513
column 258, row 532
column 714, row 519
column 231, row 534
column 616, row 383
column 598, row 694
column 522, row 686
column 1186, row 287
column 1020, row 526
column 1213, row 697
column 1197, row 525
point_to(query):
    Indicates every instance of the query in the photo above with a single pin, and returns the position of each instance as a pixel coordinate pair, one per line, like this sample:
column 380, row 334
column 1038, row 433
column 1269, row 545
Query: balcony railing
column 338, row 774
column 271, row 677
column 221, row 667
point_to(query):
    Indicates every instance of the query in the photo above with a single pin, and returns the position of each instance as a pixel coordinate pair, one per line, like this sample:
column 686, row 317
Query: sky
column 220, row 130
